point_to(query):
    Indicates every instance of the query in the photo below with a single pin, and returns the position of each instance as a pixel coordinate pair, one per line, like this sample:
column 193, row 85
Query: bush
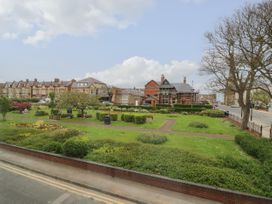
column 67, row 115
column 213, row 113
column 41, row 113
column 54, row 147
column 55, row 112
column 128, row 118
column 100, row 116
column 152, row 139
column 140, row 119
column 198, row 125
column 259, row 148
column 21, row 106
column 63, row 134
column 75, row 148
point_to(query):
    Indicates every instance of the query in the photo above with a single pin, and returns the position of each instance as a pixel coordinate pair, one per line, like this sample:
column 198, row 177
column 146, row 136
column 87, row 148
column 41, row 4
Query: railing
column 252, row 126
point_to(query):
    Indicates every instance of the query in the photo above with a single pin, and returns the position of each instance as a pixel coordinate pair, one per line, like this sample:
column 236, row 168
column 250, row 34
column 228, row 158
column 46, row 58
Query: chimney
column 56, row 80
column 162, row 78
column 184, row 80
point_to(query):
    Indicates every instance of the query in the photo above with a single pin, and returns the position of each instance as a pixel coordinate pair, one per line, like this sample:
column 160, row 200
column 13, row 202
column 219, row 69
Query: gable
column 152, row 83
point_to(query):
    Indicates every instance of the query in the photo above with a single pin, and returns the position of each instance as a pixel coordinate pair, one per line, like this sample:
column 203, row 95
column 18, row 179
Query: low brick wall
column 208, row 192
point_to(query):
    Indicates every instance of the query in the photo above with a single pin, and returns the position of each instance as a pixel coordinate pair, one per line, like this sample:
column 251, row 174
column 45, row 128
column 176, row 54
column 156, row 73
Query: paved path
column 102, row 183
column 167, row 126
column 260, row 117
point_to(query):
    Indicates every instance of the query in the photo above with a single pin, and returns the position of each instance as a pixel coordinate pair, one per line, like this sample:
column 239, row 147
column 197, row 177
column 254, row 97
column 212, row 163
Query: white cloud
column 137, row 71
column 41, row 20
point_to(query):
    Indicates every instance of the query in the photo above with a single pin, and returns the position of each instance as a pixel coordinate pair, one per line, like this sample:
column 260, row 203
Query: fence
column 252, row 126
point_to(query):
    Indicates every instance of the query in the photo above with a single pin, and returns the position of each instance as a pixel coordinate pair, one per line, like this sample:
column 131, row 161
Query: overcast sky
column 121, row 42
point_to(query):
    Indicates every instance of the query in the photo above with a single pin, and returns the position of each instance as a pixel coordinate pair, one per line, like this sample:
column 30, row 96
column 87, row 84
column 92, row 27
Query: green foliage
column 140, row 119
column 55, row 112
column 128, row 118
column 41, row 113
column 100, row 116
column 54, row 147
column 74, row 147
column 198, row 125
column 52, row 97
column 230, row 173
column 5, row 106
column 67, row 115
column 152, row 139
column 213, row 113
column 62, row 135
column 259, row 148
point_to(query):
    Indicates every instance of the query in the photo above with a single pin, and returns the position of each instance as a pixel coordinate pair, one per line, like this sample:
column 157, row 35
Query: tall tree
column 237, row 56
column 5, row 105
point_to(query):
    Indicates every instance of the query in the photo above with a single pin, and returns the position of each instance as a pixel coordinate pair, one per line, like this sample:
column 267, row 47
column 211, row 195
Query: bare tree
column 238, row 56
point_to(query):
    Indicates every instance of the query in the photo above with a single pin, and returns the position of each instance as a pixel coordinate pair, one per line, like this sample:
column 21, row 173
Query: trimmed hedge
column 100, row 116
column 74, row 147
column 140, row 119
column 198, row 125
column 41, row 113
column 152, row 139
column 213, row 113
column 260, row 148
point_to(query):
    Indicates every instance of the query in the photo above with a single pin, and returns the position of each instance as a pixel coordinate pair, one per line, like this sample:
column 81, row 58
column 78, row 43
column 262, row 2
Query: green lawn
column 215, row 125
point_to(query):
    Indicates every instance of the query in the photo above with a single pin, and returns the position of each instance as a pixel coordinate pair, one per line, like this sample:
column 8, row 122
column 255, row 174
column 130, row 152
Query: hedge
column 242, row 175
column 41, row 113
column 152, row 139
column 213, row 113
column 74, row 147
column 138, row 119
column 260, row 148
column 100, row 116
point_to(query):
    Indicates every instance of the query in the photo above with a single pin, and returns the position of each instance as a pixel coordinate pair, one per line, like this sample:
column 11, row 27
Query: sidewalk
column 103, row 183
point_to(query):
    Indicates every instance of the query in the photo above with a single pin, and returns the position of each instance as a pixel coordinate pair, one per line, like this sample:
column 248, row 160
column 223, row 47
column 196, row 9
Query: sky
column 120, row 42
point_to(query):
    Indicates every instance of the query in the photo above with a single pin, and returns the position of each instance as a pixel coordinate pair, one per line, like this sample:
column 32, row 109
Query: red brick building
column 151, row 93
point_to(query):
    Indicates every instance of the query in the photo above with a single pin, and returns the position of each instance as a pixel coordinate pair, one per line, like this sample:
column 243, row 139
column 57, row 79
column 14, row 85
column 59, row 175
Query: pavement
column 259, row 117
column 32, row 180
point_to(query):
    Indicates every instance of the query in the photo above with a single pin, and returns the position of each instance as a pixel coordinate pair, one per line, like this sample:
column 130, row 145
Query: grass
column 216, row 125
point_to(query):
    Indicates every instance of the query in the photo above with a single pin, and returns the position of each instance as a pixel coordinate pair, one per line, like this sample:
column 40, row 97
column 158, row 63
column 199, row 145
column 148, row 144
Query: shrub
column 128, row 118
column 259, row 148
column 198, row 125
column 55, row 112
column 41, row 113
column 140, row 119
column 213, row 113
column 54, row 147
column 100, row 116
column 63, row 134
column 21, row 106
column 67, row 115
column 163, row 111
column 152, row 139
column 75, row 148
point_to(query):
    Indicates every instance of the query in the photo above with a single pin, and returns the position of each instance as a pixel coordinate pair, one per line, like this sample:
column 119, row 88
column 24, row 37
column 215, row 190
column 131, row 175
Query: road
column 22, row 186
column 260, row 117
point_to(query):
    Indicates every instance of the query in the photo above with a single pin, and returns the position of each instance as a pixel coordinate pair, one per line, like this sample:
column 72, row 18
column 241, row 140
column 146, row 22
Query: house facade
column 122, row 96
column 93, row 87
column 40, row 90
column 151, row 93
column 164, row 92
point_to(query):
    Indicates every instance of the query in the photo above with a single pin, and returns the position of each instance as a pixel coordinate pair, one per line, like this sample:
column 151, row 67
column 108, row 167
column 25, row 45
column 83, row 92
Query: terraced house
column 40, row 90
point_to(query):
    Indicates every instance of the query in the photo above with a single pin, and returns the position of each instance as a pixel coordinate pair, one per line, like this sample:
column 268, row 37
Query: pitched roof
column 87, row 82
column 183, row 88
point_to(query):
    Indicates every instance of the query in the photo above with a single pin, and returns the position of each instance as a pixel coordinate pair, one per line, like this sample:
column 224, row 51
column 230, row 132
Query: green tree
column 4, row 106
column 77, row 100
column 261, row 97
column 52, row 97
